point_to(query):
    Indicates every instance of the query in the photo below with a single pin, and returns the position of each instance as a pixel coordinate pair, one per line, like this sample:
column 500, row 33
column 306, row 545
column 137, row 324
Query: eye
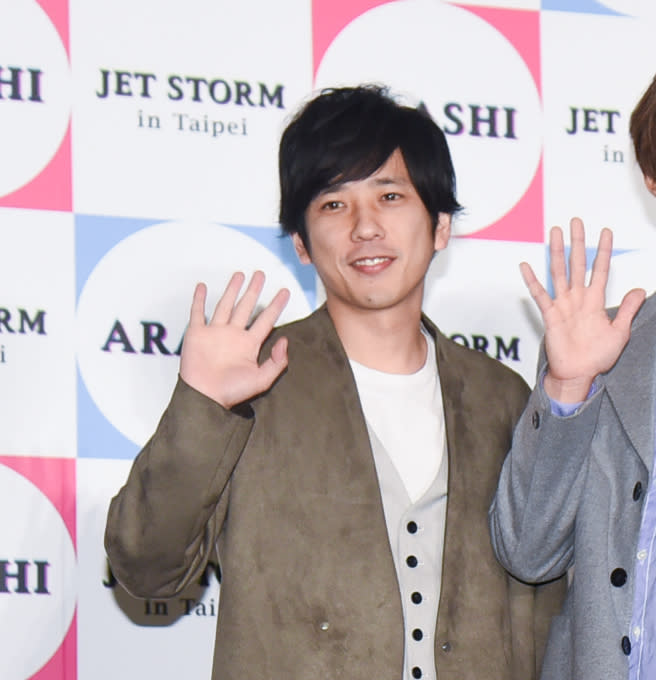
column 331, row 205
column 391, row 196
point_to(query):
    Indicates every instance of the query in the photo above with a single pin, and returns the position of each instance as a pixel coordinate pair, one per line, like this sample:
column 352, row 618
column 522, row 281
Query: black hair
column 346, row 134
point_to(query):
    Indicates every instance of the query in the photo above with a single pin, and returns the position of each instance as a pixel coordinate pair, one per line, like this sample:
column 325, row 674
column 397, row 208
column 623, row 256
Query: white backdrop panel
column 140, row 144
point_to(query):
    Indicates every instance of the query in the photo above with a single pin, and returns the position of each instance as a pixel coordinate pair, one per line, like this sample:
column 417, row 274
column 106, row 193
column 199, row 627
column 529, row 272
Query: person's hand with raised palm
column 581, row 341
column 220, row 356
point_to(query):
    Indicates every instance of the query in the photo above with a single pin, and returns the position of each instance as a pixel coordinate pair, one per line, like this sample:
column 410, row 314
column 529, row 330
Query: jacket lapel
column 631, row 384
column 339, row 397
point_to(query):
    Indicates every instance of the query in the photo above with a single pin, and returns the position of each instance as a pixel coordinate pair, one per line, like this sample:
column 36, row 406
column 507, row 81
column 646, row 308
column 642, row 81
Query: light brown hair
column 643, row 131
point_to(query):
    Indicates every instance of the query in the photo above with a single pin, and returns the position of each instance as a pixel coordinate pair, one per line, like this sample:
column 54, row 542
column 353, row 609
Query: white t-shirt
column 405, row 411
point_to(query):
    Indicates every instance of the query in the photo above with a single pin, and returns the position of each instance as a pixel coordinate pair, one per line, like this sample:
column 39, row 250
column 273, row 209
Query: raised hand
column 220, row 357
column 581, row 340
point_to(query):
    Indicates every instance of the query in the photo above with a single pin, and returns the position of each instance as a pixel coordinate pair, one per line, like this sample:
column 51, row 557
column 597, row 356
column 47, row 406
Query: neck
column 385, row 340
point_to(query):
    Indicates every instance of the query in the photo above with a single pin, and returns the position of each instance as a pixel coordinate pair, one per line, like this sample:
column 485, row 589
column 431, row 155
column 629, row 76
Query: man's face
column 372, row 240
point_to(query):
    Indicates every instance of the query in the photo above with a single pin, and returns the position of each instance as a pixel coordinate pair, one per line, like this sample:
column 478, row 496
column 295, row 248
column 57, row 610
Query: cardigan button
column 535, row 419
column 416, row 597
column 417, row 634
column 626, row 645
column 637, row 491
column 411, row 561
column 412, row 527
column 416, row 672
column 618, row 577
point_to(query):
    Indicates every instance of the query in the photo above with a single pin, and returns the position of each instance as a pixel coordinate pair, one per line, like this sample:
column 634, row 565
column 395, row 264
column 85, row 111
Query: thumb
column 274, row 365
column 628, row 308
column 279, row 351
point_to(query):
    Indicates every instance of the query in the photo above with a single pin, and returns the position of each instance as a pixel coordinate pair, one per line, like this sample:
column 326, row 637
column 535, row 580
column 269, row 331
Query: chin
column 379, row 303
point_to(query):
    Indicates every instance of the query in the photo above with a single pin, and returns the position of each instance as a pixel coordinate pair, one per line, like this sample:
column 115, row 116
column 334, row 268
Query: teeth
column 371, row 261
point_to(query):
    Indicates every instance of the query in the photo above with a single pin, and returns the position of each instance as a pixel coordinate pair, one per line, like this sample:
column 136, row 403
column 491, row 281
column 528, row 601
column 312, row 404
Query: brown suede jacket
column 286, row 487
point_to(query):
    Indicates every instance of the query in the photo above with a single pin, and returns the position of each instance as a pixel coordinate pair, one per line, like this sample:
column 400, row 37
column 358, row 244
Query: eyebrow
column 377, row 181
column 382, row 181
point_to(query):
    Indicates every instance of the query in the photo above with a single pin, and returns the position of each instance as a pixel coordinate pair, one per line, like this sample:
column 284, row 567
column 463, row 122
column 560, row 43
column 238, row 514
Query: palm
column 580, row 338
column 220, row 357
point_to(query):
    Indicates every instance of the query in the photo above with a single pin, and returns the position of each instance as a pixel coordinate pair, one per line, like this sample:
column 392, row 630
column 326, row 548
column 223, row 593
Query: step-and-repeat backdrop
column 139, row 146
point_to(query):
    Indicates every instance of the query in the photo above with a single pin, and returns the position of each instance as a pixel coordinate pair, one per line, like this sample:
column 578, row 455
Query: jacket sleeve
column 163, row 524
column 533, row 512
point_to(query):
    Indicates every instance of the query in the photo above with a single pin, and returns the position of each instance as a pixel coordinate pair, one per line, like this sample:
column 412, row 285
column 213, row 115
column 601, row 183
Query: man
column 576, row 488
column 316, row 456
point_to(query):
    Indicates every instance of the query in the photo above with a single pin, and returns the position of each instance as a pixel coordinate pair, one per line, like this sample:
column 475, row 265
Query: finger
column 270, row 370
column 629, row 308
column 601, row 265
column 577, row 258
column 224, row 306
column 557, row 265
column 266, row 320
column 197, row 314
column 244, row 308
column 535, row 288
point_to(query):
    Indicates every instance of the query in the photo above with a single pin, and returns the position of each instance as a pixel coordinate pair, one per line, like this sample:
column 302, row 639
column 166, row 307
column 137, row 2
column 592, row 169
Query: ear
column 301, row 250
column 442, row 231
column 650, row 183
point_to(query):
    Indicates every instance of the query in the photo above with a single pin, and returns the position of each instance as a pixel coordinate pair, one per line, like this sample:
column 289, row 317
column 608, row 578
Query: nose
column 367, row 224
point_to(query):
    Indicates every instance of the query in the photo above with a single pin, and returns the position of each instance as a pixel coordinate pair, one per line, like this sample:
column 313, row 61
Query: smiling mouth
column 371, row 261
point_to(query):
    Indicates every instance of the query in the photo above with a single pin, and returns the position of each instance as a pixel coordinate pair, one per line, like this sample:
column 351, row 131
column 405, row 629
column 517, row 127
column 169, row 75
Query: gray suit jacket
column 571, row 494
column 287, row 488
